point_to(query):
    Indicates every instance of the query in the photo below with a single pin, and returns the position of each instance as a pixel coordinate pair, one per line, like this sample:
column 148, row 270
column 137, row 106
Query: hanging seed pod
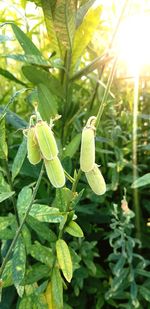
column 46, row 140
column 96, row 180
column 87, row 154
column 33, row 149
column 55, row 172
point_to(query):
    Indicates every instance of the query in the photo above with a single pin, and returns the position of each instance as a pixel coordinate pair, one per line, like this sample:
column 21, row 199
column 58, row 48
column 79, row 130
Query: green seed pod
column 33, row 149
column 87, row 154
column 46, row 140
column 96, row 180
column 55, row 172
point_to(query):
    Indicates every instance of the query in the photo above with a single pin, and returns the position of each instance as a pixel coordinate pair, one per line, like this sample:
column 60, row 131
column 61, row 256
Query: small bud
column 96, row 180
column 55, row 172
column 87, row 155
column 46, row 140
column 33, row 150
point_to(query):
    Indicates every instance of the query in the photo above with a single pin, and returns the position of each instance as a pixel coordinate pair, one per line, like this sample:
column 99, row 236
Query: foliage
column 58, row 247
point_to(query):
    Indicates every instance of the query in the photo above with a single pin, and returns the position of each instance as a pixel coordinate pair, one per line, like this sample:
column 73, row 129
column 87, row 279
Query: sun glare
column 133, row 42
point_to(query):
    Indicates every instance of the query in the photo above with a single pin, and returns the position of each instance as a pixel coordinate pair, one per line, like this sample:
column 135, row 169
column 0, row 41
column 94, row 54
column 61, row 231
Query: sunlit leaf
column 74, row 229
column 64, row 22
column 64, row 259
column 45, row 213
column 49, row 20
column 85, row 32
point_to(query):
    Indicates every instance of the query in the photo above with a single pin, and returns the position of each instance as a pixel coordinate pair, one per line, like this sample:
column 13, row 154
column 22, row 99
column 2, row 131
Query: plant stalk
column 104, row 99
column 134, row 155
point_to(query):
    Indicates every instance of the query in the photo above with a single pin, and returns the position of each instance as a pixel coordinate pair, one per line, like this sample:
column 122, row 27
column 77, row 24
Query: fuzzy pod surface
column 87, row 154
column 46, row 140
column 55, row 172
column 96, row 180
column 33, row 150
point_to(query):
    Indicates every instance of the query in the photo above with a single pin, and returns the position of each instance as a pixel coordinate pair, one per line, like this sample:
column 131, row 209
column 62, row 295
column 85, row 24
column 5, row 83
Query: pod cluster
column 87, row 158
column 41, row 144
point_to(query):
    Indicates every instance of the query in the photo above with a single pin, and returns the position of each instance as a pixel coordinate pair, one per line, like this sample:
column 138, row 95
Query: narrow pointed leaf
column 3, row 144
column 19, row 262
column 57, row 288
column 141, row 181
column 64, row 259
column 19, row 159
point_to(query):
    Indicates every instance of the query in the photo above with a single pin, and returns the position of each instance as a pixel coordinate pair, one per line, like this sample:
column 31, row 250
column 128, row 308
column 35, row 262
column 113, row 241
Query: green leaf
column 47, row 10
column 145, row 293
column 5, row 195
column 39, row 76
column 143, row 272
column 72, row 147
column 36, row 273
column 19, row 158
column 26, row 44
column 47, row 104
column 6, row 234
column 24, row 199
column 42, row 229
column 63, row 198
column 81, row 12
column 26, row 238
column 96, row 63
column 74, row 229
column 19, row 262
column 85, row 32
column 3, row 145
column 141, row 181
column 7, row 274
column 64, row 259
column 64, row 22
column 12, row 118
column 119, row 266
column 57, row 288
column 43, row 254
column 26, row 302
column 10, row 76
column 29, row 59
column 6, row 221
column 45, row 213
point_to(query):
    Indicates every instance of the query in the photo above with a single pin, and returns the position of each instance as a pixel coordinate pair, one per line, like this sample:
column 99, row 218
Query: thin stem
column 134, row 155
column 107, row 89
column 71, row 179
column 124, row 7
column 76, row 181
column 22, row 223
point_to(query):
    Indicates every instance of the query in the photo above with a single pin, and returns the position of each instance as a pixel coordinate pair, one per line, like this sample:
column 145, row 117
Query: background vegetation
column 61, row 56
